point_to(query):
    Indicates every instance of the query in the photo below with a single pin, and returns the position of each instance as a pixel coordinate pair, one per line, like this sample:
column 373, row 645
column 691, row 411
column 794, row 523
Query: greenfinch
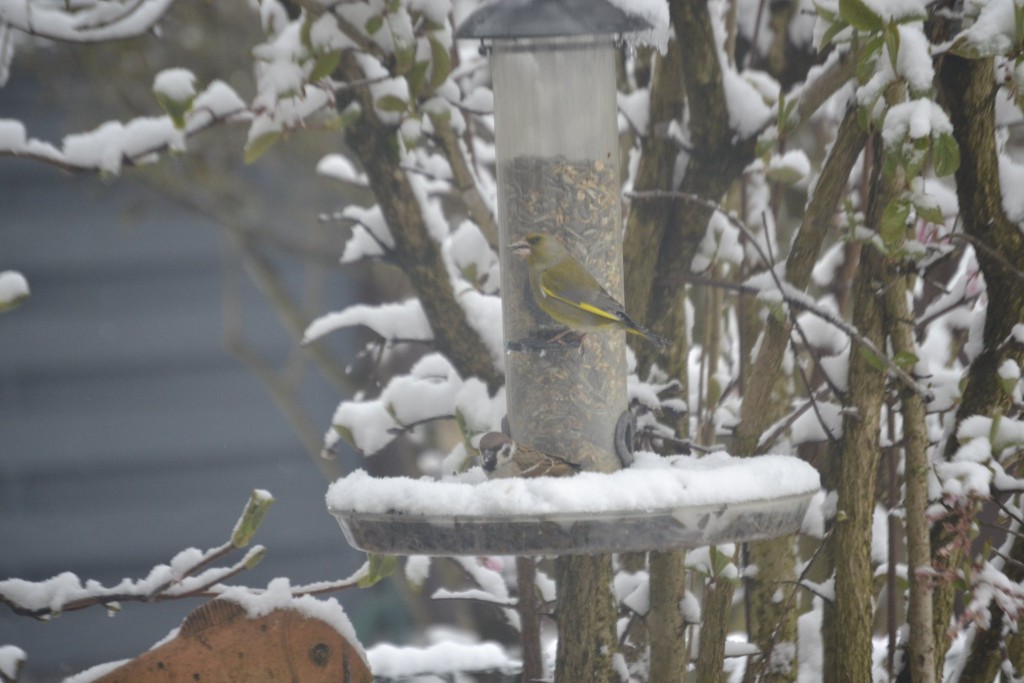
column 505, row 458
column 567, row 292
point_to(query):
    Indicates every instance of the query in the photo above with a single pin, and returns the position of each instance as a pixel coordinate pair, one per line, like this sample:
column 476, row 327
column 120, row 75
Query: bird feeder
column 554, row 81
column 556, row 129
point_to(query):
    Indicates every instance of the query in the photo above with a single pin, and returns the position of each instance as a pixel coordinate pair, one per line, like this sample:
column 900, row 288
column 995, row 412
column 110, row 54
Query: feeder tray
column 659, row 504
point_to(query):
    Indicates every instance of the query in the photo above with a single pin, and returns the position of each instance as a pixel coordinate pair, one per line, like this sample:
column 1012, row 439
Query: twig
column 402, row 429
column 981, row 246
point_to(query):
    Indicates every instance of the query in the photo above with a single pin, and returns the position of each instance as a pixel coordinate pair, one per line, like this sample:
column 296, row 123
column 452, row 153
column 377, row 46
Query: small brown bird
column 504, row 458
column 567, row 292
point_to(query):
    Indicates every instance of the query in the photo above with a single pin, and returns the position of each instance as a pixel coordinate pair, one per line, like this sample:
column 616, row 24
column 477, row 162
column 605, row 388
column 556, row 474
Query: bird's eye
column 534, row 239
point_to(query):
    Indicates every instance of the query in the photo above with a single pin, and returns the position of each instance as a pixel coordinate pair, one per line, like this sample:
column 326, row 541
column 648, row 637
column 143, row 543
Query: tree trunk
column 848, row 620
column 586, row 620
column 669, row 655
column 529, row 618
column 715, row 608
column 774, row 558
column 921, row 643
column 968, row 90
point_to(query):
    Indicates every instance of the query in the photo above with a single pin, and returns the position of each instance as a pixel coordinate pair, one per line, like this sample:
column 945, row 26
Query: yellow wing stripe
column 590, row 308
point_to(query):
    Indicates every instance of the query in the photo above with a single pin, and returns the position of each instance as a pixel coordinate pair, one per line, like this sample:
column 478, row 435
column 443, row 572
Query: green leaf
column 866, row 66
column 380, row 567
column 416, row 77
column 930, row 213
column 325, row 65
column 1018, row 34
column 891, row 34
column 872, row 358
column 765, row 144
column 470, row 275
column 252, row 516
column 392, row 103
column 441, row 64
column 860, row 16
column 176, row 109
column 346, row 435
column 786, row 175
column 304, row 33
column 945, row 155
column 826, row 13
column 405, row 57
column 349, row 115
column 259, row 146
column 831, row 32
column 893, row 225
column 374, row 24
column 777, row 311
column 255, row 558
column 905, row 360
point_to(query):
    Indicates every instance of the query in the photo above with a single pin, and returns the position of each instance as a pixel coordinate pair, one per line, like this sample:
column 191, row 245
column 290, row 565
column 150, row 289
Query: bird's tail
column 638, row 329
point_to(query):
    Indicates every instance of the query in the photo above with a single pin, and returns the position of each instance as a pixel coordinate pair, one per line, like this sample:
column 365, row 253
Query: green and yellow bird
column 567, row 292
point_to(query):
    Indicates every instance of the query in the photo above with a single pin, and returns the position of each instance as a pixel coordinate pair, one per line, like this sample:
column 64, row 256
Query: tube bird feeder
column 556, row 130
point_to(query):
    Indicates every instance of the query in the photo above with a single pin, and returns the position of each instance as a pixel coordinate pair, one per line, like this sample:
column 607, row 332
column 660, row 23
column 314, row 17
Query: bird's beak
column 520, row 248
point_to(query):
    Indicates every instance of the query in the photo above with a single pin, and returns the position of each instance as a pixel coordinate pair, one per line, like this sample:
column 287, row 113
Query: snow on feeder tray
column 656, row 504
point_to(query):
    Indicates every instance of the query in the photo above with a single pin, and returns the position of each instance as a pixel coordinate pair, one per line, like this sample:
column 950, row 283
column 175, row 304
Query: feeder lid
column 548, row 19
column 659, row 504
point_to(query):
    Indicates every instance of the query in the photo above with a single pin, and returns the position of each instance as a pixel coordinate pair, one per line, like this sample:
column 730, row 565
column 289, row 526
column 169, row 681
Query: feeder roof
column 548, row 19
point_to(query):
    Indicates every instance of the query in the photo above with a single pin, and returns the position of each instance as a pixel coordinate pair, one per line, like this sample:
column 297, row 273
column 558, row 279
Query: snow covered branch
column 87, row 22
column 137, row 142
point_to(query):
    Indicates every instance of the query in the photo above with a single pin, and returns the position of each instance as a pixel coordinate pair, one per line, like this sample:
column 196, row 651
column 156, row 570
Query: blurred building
column 128, row 431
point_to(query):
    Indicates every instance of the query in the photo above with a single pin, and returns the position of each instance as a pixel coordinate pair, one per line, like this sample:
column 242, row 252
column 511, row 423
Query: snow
column 814, row 521
column 11, row 658
column 991, row 34
column 340, row 167
column 1017, row 333
column 810, row 426
column 897, row 9
column 480, row 413
column 793, row 166
column 278, row 595
column 480, row 100
column 826, row 269
column 652, row 483
column 177, row 577
column 655, row 13
column 324, row 34
column 483, row 313
column 417, row 568
column 392, row 662
column 177, row 85
column 368, row 423
column 632, row 589
column 1011, row 178
column 748, row 112
column 915, row 119
column 12, row 134
column 427, row 392
column 635, row 107
column 13, row 288
column 95, row 22
column 113, row 143
column 914, row 59
column 470, row 257
column 94, row 673
column 405, row 320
